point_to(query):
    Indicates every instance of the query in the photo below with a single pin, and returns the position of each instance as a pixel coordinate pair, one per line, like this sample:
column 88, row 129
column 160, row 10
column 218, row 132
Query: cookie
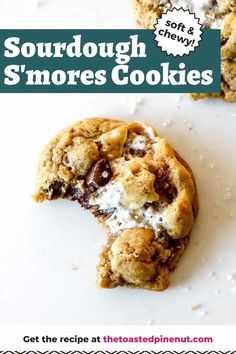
column 228, row 84
column 228, row 70
column 147, row 11
column 227, row 5
column 138, row 188
column 228, row 37
column 219, row 14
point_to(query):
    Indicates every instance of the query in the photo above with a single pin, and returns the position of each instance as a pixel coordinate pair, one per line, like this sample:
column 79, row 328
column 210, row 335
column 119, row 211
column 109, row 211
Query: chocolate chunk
column 56, row 190
column 99, row 175
column 164, row 239
column 138, row 152
column 105, row 213
column 74, row 193
column 164, row 186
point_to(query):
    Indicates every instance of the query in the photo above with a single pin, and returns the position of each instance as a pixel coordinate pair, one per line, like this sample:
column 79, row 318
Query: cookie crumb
column 213, row 275
column 228, row 194
column 231, row 277
column 133, row 105
column 41, row 3
column 187, row 289
column 75, row 267
column 195, row 307
column 201, row 162
column 189, row 125
column 178, row 98
column 166, row 123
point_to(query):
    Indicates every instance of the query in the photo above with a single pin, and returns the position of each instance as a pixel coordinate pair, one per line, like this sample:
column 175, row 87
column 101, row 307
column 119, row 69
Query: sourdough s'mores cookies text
column 136, row 185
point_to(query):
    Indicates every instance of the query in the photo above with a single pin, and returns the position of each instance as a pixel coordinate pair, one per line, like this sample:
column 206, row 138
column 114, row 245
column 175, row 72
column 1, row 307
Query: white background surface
column 49, row 252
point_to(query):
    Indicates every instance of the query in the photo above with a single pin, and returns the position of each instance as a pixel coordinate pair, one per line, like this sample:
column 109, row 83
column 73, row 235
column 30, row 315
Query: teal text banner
column 104, row 61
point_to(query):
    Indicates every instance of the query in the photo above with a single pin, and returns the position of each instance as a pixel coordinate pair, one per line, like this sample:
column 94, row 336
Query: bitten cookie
column 136, row 185
column 219, row 14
